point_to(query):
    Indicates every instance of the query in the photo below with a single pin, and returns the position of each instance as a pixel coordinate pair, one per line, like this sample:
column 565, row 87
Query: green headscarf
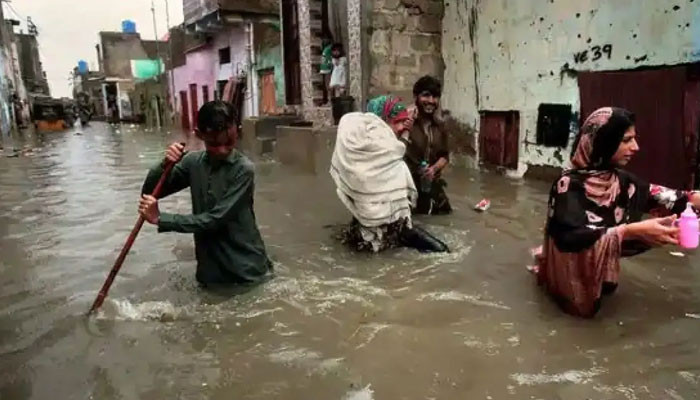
column 388, row 108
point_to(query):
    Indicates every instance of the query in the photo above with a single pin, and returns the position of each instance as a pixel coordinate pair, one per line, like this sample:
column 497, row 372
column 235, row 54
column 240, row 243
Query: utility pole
column 155, row 31
column 167, row 14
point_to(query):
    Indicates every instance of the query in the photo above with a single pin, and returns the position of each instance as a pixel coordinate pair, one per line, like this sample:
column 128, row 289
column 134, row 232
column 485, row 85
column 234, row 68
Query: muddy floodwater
column 332, row 324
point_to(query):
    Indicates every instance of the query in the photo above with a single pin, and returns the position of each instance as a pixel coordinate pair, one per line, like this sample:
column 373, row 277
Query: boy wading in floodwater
column 228, row 245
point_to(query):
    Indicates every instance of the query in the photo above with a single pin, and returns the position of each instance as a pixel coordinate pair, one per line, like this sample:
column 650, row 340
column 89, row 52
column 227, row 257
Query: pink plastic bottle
column 689, row 228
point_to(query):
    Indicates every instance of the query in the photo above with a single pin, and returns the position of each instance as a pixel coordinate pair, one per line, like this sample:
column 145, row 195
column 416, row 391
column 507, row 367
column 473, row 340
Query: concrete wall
column 118, row 49
column 149, row 103
column 508, row 55
column 405, row 44
column 194, row 10
column 237, row 40
column 30, row 62
column 5, row 121
column 13, row 73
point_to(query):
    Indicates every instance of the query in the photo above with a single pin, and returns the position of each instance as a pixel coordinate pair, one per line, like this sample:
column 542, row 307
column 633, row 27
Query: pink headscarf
column 602, row 186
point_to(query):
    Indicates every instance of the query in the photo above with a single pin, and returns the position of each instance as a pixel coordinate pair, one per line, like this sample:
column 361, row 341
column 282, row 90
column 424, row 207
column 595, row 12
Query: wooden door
column 499, row 138
column 194, row 104
column 666, row 130
column 268, row 97
column 184, row 111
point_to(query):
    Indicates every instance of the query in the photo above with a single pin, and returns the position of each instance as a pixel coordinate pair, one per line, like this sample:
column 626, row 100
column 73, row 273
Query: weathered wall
column 13, row 71
column 144, row 98
column 118, row 49
column 405, row 44
column 508, row 55
column 30, row 63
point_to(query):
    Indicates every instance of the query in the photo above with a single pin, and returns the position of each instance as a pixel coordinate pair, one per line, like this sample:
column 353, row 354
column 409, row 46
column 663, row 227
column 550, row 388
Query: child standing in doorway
column 339, row 74
column 326, row 66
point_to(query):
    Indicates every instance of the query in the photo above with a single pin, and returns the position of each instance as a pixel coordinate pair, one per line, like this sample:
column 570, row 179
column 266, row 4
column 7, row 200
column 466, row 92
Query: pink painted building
column 225, row 48
column 207, row 69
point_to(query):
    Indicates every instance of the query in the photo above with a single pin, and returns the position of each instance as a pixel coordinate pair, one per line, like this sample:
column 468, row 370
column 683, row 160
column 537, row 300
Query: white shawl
column 371, row 177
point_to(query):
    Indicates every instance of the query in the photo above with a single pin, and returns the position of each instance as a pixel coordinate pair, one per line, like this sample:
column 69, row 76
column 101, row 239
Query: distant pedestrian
column 326, row 66
column 229, row 247
column 339, row 76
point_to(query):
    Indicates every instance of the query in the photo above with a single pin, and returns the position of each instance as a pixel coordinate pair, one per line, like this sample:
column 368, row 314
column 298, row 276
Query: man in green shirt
column 228, row 245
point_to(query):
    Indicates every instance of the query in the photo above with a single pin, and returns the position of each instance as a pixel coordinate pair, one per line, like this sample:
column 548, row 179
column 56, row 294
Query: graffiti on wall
column 595, row 53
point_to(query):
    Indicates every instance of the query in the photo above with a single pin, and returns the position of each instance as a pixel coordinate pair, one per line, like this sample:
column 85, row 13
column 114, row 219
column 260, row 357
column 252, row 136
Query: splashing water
column 125, row 310
column 578, row 377
column 366, row 393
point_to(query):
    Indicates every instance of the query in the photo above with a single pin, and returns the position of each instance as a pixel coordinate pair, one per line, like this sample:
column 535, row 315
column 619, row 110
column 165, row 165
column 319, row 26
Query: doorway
column 194, row 104
column 268, row 96
column 498, row 138
column 184, row 111
column 111, row 102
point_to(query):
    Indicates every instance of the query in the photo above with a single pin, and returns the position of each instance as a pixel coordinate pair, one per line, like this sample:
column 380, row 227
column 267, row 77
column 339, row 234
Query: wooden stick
column 129, row 242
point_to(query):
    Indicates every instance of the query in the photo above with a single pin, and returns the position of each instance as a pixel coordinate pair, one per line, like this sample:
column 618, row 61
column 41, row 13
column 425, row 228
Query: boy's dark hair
column 428, row 84
column 339, row 47
column 217, row 116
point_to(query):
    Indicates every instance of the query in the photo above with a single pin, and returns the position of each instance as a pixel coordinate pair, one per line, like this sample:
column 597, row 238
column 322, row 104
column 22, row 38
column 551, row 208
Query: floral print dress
column 580, row 259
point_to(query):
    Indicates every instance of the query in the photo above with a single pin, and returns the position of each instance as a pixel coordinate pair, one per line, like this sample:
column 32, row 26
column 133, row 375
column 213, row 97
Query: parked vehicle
column 49, row 114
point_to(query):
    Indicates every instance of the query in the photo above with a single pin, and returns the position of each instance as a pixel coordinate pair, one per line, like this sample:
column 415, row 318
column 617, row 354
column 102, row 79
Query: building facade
column 225, row 41
column 123, row 57
column 389, row 44
column 16, row 89
column 33, row 73
column 525, row 74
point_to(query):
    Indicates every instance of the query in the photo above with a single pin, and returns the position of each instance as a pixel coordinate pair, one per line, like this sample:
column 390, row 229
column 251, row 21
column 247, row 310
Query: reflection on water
column 332, row 324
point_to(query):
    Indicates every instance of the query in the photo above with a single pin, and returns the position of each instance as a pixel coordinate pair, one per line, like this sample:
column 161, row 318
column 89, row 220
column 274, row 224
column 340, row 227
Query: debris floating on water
column 483, row 205
column 677, row 254
column 533, row 269
column 693, row 316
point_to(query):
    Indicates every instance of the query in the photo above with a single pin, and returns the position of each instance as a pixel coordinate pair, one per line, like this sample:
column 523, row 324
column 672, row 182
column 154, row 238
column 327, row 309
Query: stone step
column 316, row 26
column 259, row 135
column 316, row 6
column 306, row 148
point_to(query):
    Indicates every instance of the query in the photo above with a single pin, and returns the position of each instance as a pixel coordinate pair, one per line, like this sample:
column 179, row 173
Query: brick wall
column 405, row 44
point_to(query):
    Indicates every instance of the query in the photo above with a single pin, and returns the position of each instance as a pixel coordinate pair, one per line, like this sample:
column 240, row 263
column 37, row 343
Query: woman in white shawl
column 373, row 181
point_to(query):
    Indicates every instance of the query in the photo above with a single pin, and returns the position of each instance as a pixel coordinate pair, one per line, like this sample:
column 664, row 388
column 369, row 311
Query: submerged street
column 332, row 324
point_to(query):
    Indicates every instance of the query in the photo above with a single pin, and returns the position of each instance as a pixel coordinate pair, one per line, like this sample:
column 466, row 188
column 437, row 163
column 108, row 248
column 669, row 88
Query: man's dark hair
column 217, row 116
column 428, row 84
